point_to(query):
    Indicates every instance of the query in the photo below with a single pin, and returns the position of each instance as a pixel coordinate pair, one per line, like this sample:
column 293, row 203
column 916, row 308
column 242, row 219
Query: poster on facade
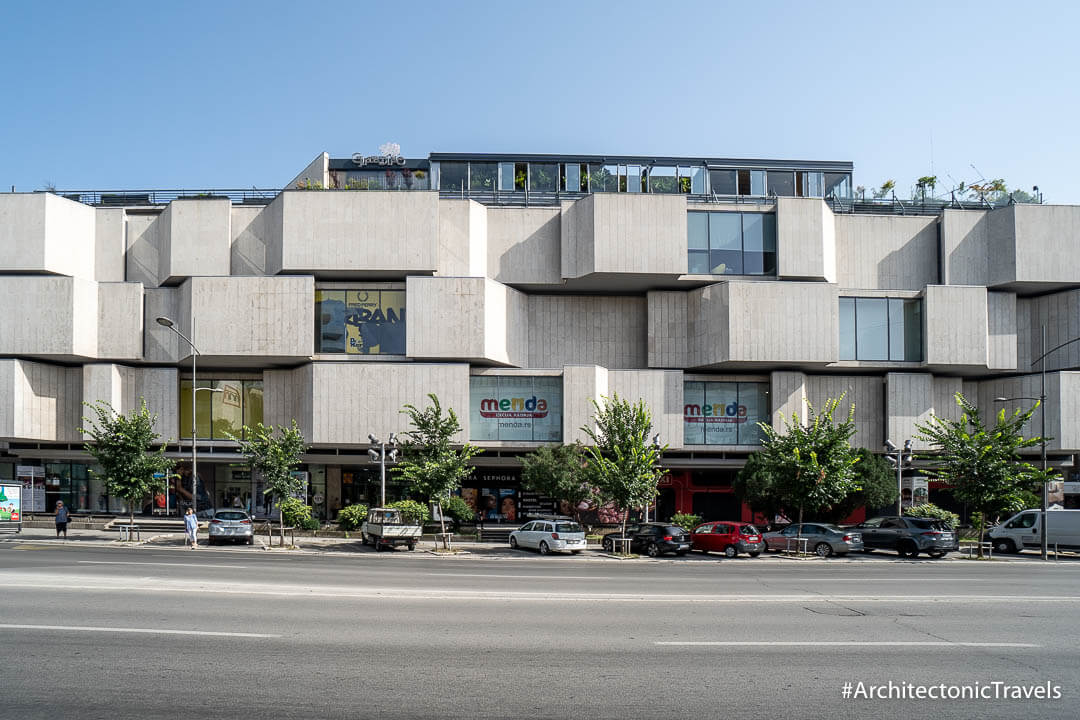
column 32, row 479
column 361, row 321
column 10, row 506
column 724, row 413
column 914, row 491
column 515, row 407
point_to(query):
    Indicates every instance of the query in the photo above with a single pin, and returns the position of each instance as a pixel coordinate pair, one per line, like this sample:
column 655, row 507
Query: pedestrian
column 61, row 519
column 191, row 527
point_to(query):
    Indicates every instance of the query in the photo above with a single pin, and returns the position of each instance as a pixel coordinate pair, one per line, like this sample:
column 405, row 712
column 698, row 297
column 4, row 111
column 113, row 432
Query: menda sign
column 715, row 413
column 532, row 407
column 724, row 413
column 517, row 407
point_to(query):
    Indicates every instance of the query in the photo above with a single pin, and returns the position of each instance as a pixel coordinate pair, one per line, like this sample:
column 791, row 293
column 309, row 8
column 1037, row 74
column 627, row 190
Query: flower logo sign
column 389, row 154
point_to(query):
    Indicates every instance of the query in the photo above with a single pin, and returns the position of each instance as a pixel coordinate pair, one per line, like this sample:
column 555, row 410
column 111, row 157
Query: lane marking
column 160, row 564
column 528, row 577
column 152, row 631
column 842, row 643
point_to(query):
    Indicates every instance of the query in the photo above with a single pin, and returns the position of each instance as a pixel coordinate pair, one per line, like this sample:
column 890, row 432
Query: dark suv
column 652, row 539
column 908, row 536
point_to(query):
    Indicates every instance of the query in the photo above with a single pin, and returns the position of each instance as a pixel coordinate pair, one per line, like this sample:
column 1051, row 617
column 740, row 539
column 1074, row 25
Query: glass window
column 364, row 321
column 635, row 179
column 913, row 332
column 482, row 176
column 739, row 243
column 871, row 329
column 603, row 178
column 757, row 182
column 663, row 179
column 515, row 407
column 838, row 185
column 692, row 180
column 725, row 182
column 506, row 176
column 847, row 328
column 239, row 403
column 697, row 230
column 753, row 243
column 879, row 329
column 572, row 177
column 724, row 413
column 809, row 184
column 543, row 177
column 453, row 175
column 781, row 183
column 725, row 243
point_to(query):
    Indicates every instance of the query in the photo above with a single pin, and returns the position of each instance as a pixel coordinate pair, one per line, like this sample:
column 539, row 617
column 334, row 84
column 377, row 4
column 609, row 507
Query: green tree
column 559, row 472
column 274, row 458
column 623, row 465
column 119, row 443
column 813, row 465
column 754, row 486
column 885, row 189
column 875, row 486
column 982, row 463
column 429, row 461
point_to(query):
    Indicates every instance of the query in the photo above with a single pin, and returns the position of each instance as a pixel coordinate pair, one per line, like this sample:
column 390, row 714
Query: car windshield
column 568, row 527
column 925, row 524
column 748, row 530
column 674, row 530
column 231, row 515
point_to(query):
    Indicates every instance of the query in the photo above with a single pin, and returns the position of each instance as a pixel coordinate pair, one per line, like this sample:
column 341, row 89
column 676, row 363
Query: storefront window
column 218, row 413
column 724, row 413
column 515, row 407
column 364, row 321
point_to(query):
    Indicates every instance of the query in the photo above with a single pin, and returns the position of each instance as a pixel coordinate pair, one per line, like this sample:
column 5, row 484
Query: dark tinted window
column 673, row 530
column 231, row 515
column 892, row 523
column 921, row 524
column 571, row 527
column 748, row 530
column 872, row 523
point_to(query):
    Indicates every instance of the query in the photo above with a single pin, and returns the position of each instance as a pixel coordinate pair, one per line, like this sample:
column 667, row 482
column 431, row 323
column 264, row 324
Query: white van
column 1022, row 531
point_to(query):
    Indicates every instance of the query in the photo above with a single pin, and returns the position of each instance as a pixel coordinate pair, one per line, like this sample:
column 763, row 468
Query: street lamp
column 1042, row 430
column 381, row 456
column 166, row 322
column 903, row 457
column 659, row 452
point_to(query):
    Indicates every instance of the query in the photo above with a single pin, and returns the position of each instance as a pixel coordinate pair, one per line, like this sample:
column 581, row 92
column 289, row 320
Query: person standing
column 61, row 519
column 191, row 527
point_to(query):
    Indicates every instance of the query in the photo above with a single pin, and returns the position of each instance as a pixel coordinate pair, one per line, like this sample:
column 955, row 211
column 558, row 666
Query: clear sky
column 119, row 95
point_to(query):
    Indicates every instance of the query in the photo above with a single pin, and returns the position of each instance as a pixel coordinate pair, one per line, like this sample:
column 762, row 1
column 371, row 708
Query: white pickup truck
column 388, row 527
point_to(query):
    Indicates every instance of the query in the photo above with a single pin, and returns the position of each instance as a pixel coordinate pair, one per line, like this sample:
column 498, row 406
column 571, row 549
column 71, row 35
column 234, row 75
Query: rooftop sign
column 389, row 154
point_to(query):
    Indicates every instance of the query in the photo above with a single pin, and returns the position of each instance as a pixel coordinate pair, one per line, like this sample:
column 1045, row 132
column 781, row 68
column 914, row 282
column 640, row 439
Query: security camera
column 373, row 439
column 373, row 454
column 889, row 446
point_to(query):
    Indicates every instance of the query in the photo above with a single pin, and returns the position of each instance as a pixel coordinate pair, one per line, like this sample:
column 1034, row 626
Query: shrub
column 351, row 517
column 686, row 521
column 294, row 512
column 457, row 510
column 310, row 523
column 412, row 509
column 933, row 512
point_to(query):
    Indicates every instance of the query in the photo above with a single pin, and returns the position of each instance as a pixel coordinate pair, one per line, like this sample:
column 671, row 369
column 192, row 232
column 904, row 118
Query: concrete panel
column 120, row 321
column 867, row 393
column 341, row 232
column 1060, row 313
column 40, row 402
column 1062, row 406
column 45, row 233
column 805, row 239
column 474, row 319
column 142, row 260
column 609, row 331
column 159, row 343
column 317, row 172
column 788, row 397
column 48, row 316
column 625, row 233
column 956, row 325
column 965, row 238
column 909, row 401
column 124, row 387
column 109, row 244
column 196, row 238
column 463, row 238
column 885, row 252
column 667, row 330
column 1001, row 319
column 524, row 245
column 1033, row 247
column 581, row 385
column 250, row 244
column 662, row 391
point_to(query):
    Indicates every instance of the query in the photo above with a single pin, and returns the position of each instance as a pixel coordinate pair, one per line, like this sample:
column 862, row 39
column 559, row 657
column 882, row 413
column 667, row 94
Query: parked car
column 908, row 536
column 728, row 537
column 550, row 535
column 651, row 538
column 232, row 525
column 822, row 538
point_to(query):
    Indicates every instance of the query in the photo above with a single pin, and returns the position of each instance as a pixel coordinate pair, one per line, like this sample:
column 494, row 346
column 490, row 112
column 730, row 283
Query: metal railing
column 135, row 198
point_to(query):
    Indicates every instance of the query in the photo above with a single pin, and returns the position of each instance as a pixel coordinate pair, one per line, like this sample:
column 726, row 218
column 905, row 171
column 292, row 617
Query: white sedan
column 549, row 535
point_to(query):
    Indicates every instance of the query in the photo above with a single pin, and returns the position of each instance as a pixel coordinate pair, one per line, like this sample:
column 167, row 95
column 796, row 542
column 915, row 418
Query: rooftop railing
column 134, row 198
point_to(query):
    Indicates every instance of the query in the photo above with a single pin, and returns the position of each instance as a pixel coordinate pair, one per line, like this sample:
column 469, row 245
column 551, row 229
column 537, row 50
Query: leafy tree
column 624, row 466
column 351, row 517
column 295, row 512
column 274, row 458
column 559, row 472
column 458, row 511
column 119, row 445
column 686, row 521
column 429, row 461
column 754, row 485
column 812, row 466
column 981, row 463
column 926, row 182
column 875, row 486
column 885, row 189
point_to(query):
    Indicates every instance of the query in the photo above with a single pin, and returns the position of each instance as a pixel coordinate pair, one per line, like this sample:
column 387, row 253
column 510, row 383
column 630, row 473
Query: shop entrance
column 717, row 506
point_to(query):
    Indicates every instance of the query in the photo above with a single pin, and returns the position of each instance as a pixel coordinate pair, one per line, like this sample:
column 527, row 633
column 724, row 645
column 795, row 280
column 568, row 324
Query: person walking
column 61, row 519
column 191, row 527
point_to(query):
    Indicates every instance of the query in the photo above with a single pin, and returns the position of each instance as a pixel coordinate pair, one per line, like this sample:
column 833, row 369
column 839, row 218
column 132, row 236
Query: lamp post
column 659, row 453
column 166, row 322
column 903, row 457
column 1042, row 431
column 381, row 456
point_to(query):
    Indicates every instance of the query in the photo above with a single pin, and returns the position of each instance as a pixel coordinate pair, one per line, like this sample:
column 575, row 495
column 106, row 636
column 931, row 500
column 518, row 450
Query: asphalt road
column 92, row 632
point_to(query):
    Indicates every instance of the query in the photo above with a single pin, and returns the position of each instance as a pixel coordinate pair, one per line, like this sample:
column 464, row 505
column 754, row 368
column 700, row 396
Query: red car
column 730, row 538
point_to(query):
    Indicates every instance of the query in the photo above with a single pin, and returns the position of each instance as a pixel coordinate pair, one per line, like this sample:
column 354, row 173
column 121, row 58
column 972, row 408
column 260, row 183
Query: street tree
column 275, row 457
column 430, row 462
column 558, row 472
column 754, row 484
column 875, row 487
column 120, row 445
column 812, row 465
column 623, row 465
column 982, row 463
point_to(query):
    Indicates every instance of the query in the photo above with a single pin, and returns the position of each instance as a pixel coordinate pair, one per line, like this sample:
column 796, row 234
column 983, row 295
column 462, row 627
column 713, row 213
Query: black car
column 908, row 536
column 652, row 539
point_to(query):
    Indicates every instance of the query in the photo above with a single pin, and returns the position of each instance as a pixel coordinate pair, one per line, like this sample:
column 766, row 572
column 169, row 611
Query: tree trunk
column 982, row 529
column 625, row 517
column 798, row 535
column 442, row 525
column 131, row 519
column 281, row 524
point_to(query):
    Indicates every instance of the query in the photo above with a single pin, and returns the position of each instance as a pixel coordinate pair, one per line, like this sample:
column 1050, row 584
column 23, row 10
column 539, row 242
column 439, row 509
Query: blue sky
column 236, row 94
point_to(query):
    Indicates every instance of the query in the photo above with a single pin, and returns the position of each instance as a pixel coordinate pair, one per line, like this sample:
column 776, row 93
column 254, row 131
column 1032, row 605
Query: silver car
column 233, row 525
column 549, row 535
column 822, row 539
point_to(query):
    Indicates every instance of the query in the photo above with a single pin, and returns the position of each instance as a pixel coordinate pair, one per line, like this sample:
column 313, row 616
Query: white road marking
column 528, row 577
column 154, row 631
column 162, row 564
column 842, row 643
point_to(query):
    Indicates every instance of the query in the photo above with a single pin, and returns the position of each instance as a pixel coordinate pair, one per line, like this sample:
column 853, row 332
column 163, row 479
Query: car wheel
column 575, row 552
column 652, row 551
column 1004, row 546
column 731, row 551
column 908, row 549
column 867, row 551
column 608, row 545
column 514, row 543
column 754, row 554
column 823, row 549
column 544, row 549
column 363, row 539
column 680, row 553
column 251, row 541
